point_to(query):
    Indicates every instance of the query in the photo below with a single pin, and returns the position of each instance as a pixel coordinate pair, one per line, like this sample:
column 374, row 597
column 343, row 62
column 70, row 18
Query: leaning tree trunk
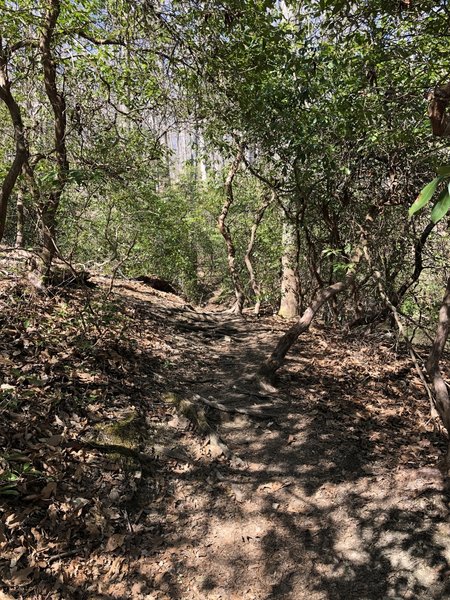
column 432, row 365
column 276, row 359
column 290, row 286
column 248, row 255
column 49, row 207
column 21, row 149
column 225, row 231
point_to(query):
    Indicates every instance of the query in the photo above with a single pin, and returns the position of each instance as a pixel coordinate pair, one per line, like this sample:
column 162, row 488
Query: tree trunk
column 275, row 361
column 225, row 231
column 57, row 100
column 290, row 285
column 397, row 297
column 432, row 365
column 21, row 149
column 248, row 255
column 20, row 220
column 437, row 110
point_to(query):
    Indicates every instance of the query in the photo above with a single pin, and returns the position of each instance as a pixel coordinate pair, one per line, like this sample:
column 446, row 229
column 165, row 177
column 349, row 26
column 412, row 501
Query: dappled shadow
column 359, row 509
column 333, row 493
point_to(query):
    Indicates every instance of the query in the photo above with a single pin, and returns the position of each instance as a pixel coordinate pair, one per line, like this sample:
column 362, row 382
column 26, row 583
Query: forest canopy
column 233, row 147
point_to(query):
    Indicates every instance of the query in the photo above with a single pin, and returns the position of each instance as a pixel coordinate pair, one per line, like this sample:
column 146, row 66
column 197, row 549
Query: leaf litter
column 107, row 491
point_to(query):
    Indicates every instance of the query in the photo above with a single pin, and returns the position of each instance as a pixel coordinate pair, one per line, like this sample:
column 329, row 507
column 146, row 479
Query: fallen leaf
column 54, row 440
column 114, row 542
column 238, row 492
column 49, row 490
column 22, row 577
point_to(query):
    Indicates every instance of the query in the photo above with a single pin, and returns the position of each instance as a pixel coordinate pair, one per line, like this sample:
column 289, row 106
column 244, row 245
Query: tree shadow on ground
column 361, row 511
column 334, row 495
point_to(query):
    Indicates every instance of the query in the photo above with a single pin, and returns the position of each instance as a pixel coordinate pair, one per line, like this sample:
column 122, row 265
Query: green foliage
column 442, row 204
column 425, row 195
column 326, row 96
column 15, row 470
column 169, row 231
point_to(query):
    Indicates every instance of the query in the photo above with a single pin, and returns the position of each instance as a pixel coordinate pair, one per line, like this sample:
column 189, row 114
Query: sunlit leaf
column 425, row 195
column 444, row 171
column 442, row 206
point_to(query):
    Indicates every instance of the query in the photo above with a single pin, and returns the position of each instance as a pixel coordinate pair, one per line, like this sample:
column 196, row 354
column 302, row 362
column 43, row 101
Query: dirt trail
column 337, row 496
column 334, row 494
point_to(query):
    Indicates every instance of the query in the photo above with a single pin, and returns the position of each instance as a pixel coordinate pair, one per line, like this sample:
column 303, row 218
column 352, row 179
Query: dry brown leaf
column 115, row 541
column 49, row 490
column 53, row 440
column 22, row 577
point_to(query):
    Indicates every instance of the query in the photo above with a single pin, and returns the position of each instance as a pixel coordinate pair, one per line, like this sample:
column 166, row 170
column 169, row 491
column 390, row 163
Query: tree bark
column 49, row 208
column 382, row 314
column 225, row 231
column 248, row 255
column 21, row 148
column 20, row 220
column 432, row 365
column 290, row 286
column 439, row 100
column 275, row 361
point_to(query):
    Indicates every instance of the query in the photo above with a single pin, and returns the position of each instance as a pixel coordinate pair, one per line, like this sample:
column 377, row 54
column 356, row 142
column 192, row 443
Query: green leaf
column 442, row 206
column 444, row 171
column 6, row 488
column 425, row 195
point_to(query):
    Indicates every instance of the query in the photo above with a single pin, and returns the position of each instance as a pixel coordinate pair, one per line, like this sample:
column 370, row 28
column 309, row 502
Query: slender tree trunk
column 225, row 231
column 313, row 259
column 20, row 220
column 275, row 361
column 397, row 297
column 248, row 255
column 21, row 149
column 290, row 285
column 49, row 208
column 432, row 365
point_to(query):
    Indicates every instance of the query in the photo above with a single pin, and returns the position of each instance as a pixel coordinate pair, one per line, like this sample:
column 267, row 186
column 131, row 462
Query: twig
column 66, row 554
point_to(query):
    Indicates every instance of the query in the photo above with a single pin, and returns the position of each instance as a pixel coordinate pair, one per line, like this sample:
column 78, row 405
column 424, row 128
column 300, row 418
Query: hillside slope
column 121, row 479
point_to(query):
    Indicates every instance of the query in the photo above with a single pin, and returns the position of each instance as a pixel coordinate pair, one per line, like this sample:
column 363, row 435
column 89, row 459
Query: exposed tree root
column 147, row 462
column 197, row 416
column 250, row 412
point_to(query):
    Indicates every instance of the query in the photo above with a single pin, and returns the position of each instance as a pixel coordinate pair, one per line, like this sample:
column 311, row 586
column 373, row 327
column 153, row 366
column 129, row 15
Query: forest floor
column 111, row 489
